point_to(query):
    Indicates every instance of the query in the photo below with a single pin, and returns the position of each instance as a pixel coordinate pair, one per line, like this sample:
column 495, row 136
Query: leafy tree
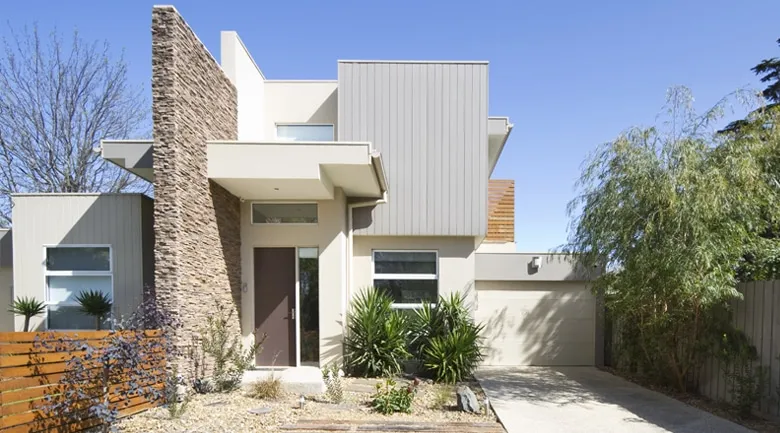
column 769, row 71
column 58, row 99
column 670, row 212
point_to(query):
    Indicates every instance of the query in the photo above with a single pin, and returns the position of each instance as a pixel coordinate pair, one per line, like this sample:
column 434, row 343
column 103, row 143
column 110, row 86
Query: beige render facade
column 218, row 151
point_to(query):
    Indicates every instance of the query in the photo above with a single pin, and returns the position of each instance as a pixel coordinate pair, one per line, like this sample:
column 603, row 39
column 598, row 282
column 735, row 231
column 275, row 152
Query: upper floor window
column 411, row 278
column 70, row 270
column 304, row 132
column 284, row 213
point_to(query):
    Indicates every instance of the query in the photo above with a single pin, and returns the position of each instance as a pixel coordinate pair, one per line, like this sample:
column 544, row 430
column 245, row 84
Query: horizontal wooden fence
column 32, row 369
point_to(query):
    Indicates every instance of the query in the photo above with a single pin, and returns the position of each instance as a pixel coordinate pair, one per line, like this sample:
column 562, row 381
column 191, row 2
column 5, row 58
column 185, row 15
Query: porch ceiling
column 273, row 170
column 296, row 170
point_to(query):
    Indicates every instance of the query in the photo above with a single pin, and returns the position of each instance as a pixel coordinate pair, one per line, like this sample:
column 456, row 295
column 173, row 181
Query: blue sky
column 569, row 74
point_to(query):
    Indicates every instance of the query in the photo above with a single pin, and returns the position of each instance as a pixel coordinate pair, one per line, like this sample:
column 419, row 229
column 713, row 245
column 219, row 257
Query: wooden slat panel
column 30, row 370
column 30, row 348
column 41, row 419
column 30, row 394
column 501, row 211
column 29, row 337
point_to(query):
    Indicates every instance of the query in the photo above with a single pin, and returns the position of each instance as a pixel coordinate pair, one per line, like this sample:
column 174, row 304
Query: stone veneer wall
column 196, row 222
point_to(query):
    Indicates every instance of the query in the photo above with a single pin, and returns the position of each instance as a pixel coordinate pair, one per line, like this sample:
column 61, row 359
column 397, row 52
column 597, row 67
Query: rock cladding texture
column 196, row 222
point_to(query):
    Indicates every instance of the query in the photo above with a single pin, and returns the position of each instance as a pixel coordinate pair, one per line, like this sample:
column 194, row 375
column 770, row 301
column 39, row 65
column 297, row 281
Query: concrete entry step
column 295, row 380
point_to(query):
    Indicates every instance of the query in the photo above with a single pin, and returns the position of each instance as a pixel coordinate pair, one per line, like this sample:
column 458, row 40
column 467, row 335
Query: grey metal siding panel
column 114, row 219
column 429, row 121
column 147, row 241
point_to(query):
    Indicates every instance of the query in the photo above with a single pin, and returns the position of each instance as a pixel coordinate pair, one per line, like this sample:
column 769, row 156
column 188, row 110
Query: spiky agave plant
column 27, row 307
column 96, row 304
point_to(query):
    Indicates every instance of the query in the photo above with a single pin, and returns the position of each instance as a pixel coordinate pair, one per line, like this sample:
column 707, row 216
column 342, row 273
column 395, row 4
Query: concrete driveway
column 588, row 400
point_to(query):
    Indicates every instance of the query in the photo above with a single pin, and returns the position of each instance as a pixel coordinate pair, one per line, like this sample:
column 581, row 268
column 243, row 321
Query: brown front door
column 274, row 305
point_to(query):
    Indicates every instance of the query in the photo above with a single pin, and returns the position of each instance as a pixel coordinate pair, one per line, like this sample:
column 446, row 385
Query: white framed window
column 410, row 277
column 305, row 132
column 68, row 271
column 284, row 213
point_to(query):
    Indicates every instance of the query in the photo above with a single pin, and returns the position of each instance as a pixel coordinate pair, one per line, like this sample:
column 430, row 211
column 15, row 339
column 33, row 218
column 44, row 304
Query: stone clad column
column 196, row 222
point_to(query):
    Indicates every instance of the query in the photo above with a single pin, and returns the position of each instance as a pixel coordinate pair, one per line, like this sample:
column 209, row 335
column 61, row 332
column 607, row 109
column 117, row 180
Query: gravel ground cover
column 232, row 412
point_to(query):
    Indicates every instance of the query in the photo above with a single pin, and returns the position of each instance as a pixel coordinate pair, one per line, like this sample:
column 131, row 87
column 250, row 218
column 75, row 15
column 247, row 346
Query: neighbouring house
column 279, row 200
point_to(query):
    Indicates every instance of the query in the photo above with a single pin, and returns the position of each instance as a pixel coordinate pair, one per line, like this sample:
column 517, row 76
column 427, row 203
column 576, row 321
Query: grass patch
column 442, row 397
column 269, row 388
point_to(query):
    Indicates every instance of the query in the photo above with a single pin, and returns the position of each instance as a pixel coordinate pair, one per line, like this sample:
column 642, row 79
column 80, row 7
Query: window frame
column 47, row 273
column 375, row 276
column 252, row 210
column 286, row 139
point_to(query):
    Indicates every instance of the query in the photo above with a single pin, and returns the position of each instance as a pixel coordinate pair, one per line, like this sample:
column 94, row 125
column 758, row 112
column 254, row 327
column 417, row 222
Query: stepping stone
column 260, row 410
column 361, row 388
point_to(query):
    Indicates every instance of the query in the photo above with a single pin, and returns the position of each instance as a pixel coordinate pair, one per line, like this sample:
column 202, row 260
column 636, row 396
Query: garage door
column 537, row 323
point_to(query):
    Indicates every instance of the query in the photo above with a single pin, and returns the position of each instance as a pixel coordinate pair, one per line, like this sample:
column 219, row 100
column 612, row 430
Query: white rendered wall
column 250, row 86
column 299, row 102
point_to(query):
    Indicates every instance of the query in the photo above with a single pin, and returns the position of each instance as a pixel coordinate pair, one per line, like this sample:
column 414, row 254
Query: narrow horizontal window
column 305, row 132
column 284, row 213
column 78, row 259
column 404, row 262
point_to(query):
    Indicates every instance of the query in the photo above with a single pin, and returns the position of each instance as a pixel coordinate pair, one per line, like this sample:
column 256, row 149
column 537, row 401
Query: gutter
column 509, row 127
column 376, row 161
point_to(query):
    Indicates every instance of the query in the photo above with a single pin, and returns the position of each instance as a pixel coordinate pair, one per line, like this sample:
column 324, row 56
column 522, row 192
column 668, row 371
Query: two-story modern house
column 279, row 200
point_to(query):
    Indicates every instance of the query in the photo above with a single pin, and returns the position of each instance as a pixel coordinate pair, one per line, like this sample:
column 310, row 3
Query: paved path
column 331, row 425
column 588, row 400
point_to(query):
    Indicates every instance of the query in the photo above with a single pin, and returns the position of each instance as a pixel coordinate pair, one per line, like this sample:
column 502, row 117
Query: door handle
column 292, row 314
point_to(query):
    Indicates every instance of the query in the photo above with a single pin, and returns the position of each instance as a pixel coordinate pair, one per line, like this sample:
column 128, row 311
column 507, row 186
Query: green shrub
column 334, row 387
column 445, row 340
column 96, row 304
column 376, row 336
column 174, row 400
column 230, row 358
column 269, row 388
column 389, row 399
column 27, row 307
column 746, row 381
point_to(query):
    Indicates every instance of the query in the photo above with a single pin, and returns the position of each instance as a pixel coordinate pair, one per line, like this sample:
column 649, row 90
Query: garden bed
column 233, row 411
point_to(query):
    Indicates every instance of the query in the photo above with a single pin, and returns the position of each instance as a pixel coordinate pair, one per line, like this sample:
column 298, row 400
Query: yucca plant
column 376, row 336
column 445, row 339
column 437, row 320
column 27, row 307
column 96, row 304
column 453, row 357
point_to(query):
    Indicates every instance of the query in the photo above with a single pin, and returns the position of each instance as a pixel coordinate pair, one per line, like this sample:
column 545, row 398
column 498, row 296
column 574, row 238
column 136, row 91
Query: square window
column 411, row 278
column 69, row 271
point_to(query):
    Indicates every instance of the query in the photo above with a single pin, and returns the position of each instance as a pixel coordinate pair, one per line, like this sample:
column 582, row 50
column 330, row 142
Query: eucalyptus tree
column 669, row 212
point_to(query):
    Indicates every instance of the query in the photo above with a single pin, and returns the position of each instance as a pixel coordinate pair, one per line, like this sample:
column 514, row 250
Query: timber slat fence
column 30, row 371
